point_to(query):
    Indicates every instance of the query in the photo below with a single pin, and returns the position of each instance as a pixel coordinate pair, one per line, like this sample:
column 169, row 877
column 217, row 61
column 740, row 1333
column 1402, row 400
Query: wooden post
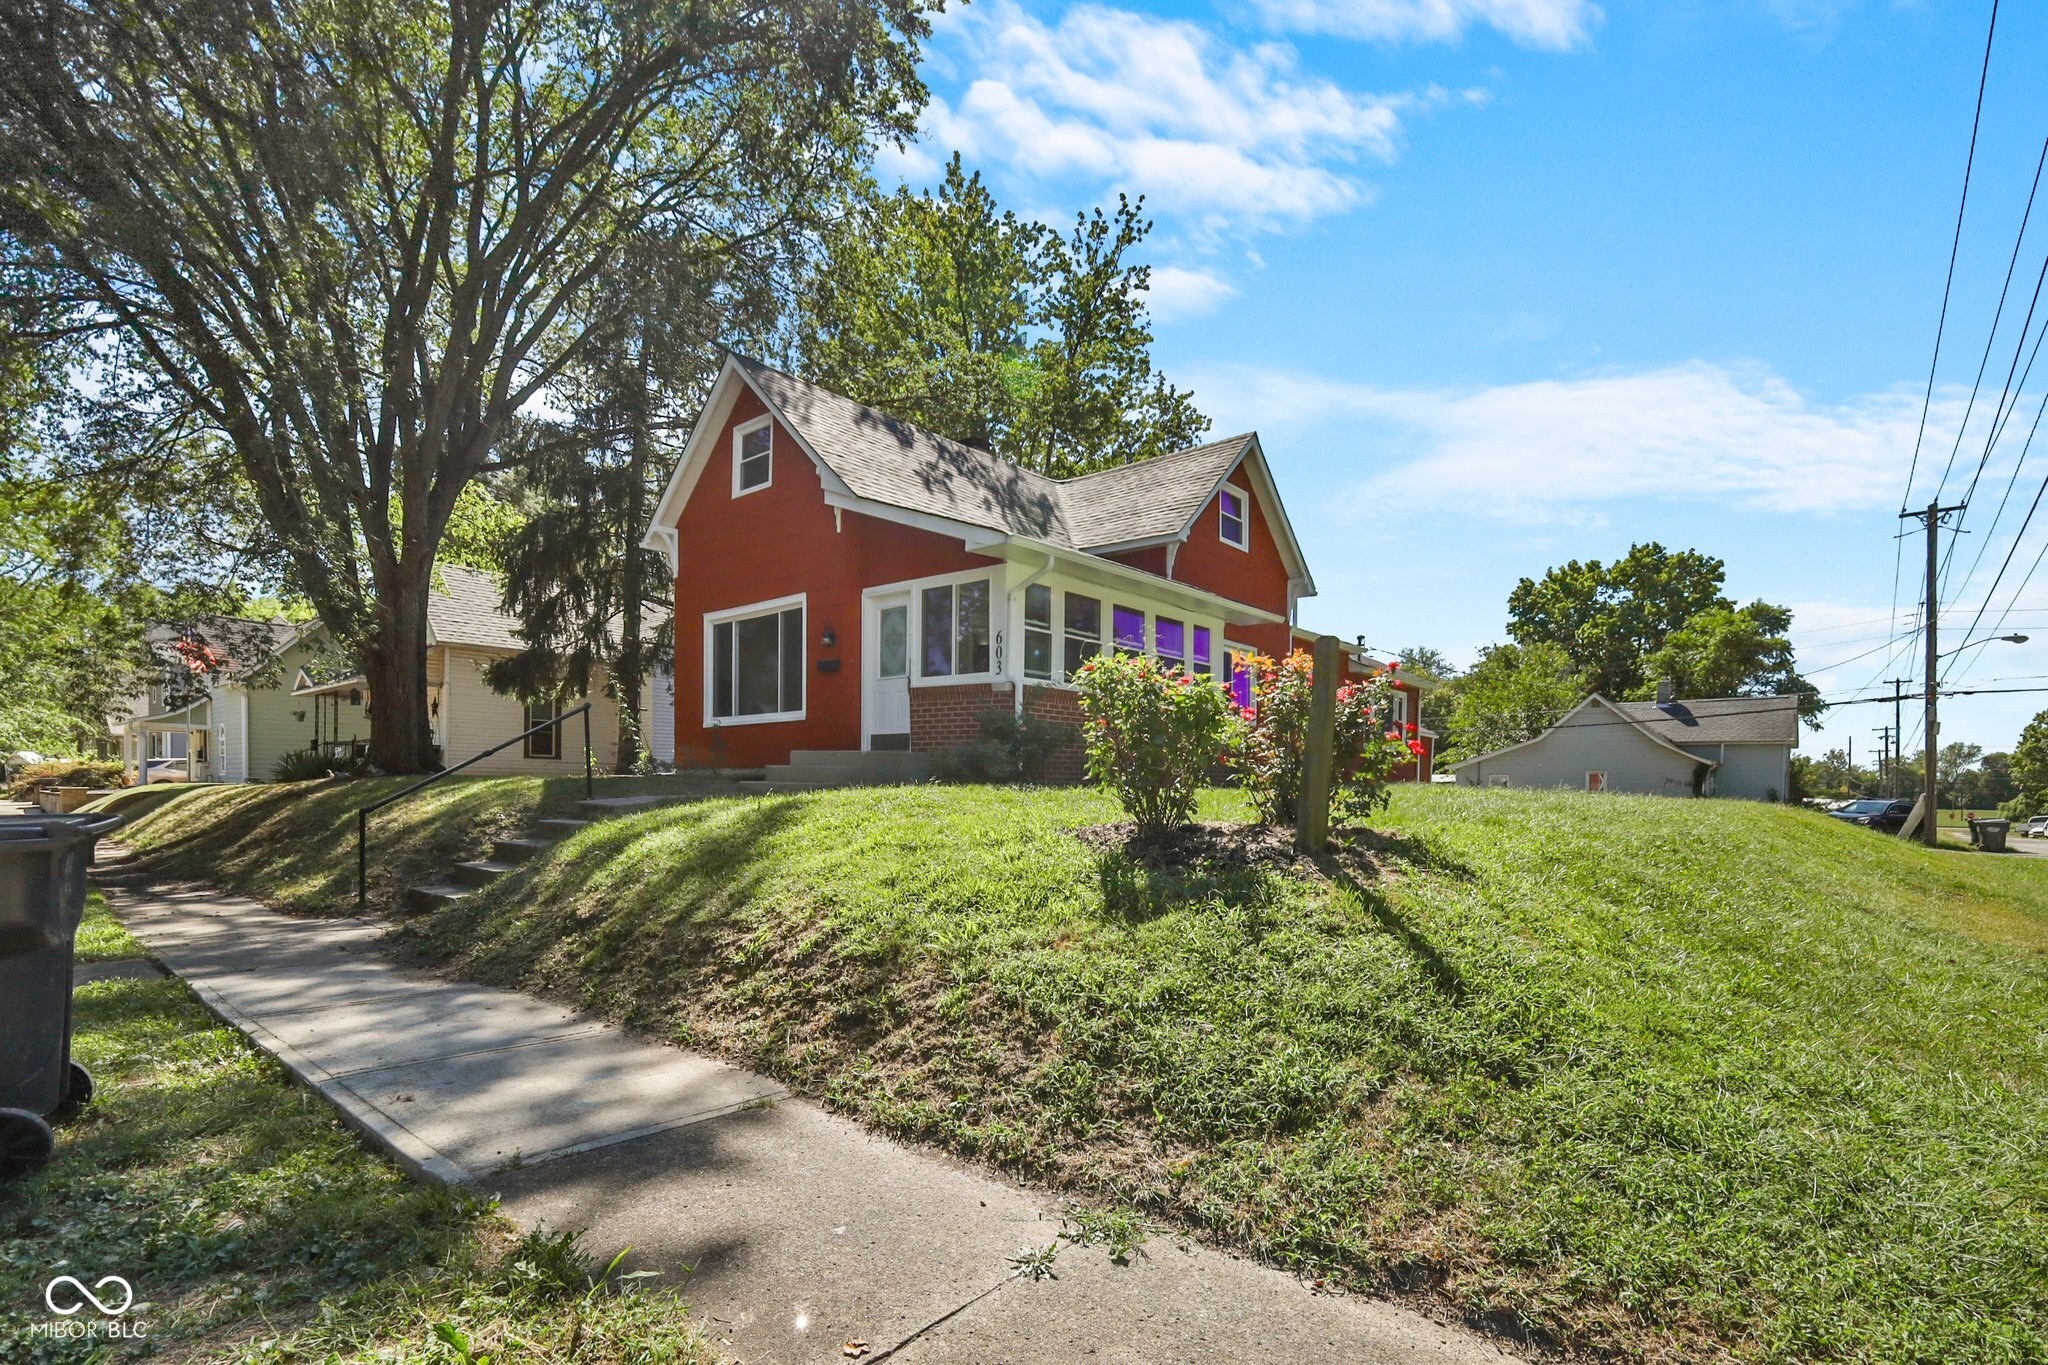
column 1312, row 816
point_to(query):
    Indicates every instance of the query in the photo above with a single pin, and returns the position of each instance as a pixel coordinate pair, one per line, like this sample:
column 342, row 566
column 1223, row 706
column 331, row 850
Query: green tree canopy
column 1513, row 693
column 945, row 309
column 1732, row 652
column 356, row 238
column 1657, row 613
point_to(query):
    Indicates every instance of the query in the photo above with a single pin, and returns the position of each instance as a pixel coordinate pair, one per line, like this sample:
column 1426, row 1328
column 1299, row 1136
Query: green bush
column 1012, row 748
column 1272, row 750
column 310, row 765
column 23, row 782
column 1152, row 736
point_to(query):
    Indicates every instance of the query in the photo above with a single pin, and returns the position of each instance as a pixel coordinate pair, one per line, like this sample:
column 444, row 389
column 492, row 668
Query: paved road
column 789, row 1230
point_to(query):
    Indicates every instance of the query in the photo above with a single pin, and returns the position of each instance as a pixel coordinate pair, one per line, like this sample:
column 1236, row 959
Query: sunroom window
column 1130, row 630
column 1203, row 666
column 955, row 629
column 757, row 665
column 1084, row 632
column 1170, row 642
column 1038, row 631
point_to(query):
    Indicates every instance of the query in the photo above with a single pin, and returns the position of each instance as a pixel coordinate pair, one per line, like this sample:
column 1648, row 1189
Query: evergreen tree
column 587, row 596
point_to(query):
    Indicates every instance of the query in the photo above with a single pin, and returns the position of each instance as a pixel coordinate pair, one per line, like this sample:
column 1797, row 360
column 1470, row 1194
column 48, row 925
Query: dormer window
column 1230, row 512
column 753, row 456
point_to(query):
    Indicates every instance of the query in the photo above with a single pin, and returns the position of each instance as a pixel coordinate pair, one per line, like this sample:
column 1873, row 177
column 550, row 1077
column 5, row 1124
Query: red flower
column 1394, row 667
column 1393, row 735
column 1417, row 747
column 1410, row 727
column 1247, row 713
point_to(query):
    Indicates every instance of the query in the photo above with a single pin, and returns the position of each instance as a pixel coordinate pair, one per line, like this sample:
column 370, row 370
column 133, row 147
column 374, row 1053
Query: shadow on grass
column 1426, row 954
column 293, row 845
column 628, row 905
column 1135, row 892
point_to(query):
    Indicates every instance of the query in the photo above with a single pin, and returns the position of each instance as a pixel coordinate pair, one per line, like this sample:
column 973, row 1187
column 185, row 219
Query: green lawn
column 1653, row 1076
column 252, row 1226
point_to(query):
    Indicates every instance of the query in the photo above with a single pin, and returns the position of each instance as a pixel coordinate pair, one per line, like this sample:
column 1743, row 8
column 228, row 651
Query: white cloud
column 1550, row 449
column 1554, row 24
column 1177, row 292
column 1222, row 136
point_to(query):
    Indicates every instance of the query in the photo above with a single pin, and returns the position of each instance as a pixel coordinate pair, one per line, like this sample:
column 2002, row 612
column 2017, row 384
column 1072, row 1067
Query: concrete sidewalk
column 788, row 1230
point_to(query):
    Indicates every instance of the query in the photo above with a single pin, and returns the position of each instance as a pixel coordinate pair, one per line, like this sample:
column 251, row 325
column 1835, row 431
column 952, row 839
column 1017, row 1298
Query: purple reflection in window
column 1240, row 682
column 1129, row 624
column 1169, row 639
column 1202, row 649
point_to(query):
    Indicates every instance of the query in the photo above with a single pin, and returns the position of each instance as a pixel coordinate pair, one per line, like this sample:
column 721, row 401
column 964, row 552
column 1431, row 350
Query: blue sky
column 1503, row 283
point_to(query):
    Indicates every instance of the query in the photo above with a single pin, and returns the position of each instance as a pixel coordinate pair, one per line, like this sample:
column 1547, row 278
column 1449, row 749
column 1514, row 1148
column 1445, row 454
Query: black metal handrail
column 363, row 813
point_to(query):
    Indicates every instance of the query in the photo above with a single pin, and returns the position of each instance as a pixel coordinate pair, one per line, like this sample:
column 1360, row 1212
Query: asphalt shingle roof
column 1718, row 720
column 463, row 609
column 888, row 460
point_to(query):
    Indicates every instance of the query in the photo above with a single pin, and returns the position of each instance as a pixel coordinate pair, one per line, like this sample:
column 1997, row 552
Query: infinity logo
column 111, row 1310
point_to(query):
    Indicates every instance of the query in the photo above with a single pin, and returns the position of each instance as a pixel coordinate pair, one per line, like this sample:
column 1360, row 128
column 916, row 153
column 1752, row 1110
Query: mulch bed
column 1356, row 853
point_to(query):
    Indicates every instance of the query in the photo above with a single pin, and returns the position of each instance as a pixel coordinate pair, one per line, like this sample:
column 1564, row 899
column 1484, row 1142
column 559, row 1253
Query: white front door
column 888, row 666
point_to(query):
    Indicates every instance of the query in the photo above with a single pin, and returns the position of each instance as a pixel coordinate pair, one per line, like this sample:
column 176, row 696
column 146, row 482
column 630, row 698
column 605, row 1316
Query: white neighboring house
column 1721, row 746
column 238, row 732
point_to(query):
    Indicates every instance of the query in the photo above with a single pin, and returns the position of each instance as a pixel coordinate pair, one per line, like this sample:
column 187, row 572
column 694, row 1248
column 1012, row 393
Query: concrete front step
column 436, row 895
column 879, row 760
column 560, row 829
column 813, row 769
column 517, row 850
column 482, row 872
column 773, row 788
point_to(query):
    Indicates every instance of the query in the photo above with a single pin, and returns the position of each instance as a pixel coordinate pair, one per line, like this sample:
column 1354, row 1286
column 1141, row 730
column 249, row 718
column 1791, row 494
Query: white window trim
column 999, row 651
column 739, row 435
column 1600, row 773
column 772, row 607
column 1244, row 518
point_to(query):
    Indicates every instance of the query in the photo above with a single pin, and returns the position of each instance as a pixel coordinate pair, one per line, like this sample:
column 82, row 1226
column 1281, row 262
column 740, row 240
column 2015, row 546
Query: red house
column 846, row 580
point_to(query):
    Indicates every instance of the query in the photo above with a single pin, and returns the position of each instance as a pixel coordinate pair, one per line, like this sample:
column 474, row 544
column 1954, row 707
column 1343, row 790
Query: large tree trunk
column 395, row 665
column 632, row 659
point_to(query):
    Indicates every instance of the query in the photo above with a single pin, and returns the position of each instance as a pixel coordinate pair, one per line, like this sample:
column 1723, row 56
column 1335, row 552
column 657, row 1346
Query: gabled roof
column 1719, row 720
column 1617, row 717
column 463, row 609
column 248, row 643
column 893, row 463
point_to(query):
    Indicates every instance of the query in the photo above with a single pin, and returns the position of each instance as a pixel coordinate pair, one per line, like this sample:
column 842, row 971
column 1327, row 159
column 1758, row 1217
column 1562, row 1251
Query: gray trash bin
column 42, row 897
column 1989, row 835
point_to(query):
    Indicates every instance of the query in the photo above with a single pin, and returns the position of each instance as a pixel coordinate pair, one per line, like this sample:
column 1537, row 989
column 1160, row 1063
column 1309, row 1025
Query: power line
column 1948, row 285
column 1941, row 322
column 1991, row 339
column 1971, row 632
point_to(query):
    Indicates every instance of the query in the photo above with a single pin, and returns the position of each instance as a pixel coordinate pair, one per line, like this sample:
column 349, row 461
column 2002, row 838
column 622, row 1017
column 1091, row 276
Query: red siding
column 1257, row 575
column 774, row 543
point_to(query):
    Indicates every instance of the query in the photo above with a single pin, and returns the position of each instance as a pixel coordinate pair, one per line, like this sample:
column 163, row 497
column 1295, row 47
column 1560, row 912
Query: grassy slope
column 253, row 1226
column 1651, row 1074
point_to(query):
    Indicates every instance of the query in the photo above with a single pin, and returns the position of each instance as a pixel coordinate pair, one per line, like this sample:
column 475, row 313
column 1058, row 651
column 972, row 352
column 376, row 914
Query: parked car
column 2036, row 827
column 164, row 770
column 1874, row 812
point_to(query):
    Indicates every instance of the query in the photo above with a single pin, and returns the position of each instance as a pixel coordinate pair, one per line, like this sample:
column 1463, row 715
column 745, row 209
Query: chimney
column 1666, row 694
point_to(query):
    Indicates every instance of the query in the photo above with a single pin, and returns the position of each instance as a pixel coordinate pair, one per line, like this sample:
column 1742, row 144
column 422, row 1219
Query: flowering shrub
column 1272, row 749
column 1152, row 736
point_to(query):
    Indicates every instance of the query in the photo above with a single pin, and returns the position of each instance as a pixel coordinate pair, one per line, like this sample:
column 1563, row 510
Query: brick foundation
column 947, row 717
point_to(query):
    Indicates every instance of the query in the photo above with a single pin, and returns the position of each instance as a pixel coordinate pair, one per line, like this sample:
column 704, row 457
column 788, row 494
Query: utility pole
column 1931, row 519
column 1898, row 726
column 1887, row 762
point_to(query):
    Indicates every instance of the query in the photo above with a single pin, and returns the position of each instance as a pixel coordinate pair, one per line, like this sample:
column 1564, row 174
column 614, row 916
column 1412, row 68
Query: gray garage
column 1721, row 746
